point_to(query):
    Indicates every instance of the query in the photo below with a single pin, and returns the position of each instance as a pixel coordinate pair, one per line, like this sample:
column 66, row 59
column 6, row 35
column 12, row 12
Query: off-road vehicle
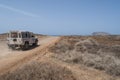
column 21, row 39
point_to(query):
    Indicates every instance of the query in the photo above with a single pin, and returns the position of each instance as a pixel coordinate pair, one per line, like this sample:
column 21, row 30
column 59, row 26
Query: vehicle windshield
column 14, row 35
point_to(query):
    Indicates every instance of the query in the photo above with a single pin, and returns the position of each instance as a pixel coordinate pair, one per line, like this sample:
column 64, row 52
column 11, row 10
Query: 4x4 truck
column 21, row 39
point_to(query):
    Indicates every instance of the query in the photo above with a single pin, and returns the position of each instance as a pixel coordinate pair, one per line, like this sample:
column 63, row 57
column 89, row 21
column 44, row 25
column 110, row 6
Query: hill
column 100, row 33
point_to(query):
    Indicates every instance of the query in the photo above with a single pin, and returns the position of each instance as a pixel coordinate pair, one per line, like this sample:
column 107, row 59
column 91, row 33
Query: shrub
column 39, row 71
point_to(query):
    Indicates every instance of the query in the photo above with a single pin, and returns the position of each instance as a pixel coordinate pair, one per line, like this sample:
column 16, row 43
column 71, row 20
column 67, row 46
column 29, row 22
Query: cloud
column 18, row 11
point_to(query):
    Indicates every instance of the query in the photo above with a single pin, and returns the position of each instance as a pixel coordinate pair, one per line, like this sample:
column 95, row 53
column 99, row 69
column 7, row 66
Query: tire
column 26, row 46
column 36, row 43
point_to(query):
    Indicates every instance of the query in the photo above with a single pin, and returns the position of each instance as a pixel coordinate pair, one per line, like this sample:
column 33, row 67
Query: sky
column 60, row 17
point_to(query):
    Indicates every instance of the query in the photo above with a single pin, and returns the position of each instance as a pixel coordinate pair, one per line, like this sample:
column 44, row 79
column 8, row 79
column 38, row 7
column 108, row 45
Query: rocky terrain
column 63, row 58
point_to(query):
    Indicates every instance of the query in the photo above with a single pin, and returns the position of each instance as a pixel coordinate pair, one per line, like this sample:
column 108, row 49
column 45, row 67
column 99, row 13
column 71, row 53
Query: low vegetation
column 39, row 71
column 99, row 52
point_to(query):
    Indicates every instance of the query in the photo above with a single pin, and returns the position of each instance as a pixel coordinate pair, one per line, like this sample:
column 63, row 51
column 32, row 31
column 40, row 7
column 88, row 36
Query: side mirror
column 33, row 36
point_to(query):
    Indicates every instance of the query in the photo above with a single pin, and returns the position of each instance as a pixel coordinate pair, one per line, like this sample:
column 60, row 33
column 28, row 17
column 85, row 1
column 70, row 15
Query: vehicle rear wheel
column 26, row 46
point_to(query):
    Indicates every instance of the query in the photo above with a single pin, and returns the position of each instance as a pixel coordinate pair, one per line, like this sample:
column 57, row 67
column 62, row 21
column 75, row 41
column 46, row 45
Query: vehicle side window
column 24, row 35
column 28, row 34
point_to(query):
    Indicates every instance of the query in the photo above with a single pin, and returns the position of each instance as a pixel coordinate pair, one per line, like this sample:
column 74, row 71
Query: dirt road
column 10, row 58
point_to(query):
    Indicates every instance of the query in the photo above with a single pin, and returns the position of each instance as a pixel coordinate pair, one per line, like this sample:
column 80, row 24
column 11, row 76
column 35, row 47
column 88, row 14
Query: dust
column 5, row 52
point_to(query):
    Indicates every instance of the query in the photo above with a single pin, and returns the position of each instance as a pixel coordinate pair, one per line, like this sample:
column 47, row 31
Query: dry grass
column 39, row 71
column 99, row 52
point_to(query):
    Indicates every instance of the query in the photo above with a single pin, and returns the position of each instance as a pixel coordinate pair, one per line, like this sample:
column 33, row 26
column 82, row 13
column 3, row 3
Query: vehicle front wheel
column 36, row 43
